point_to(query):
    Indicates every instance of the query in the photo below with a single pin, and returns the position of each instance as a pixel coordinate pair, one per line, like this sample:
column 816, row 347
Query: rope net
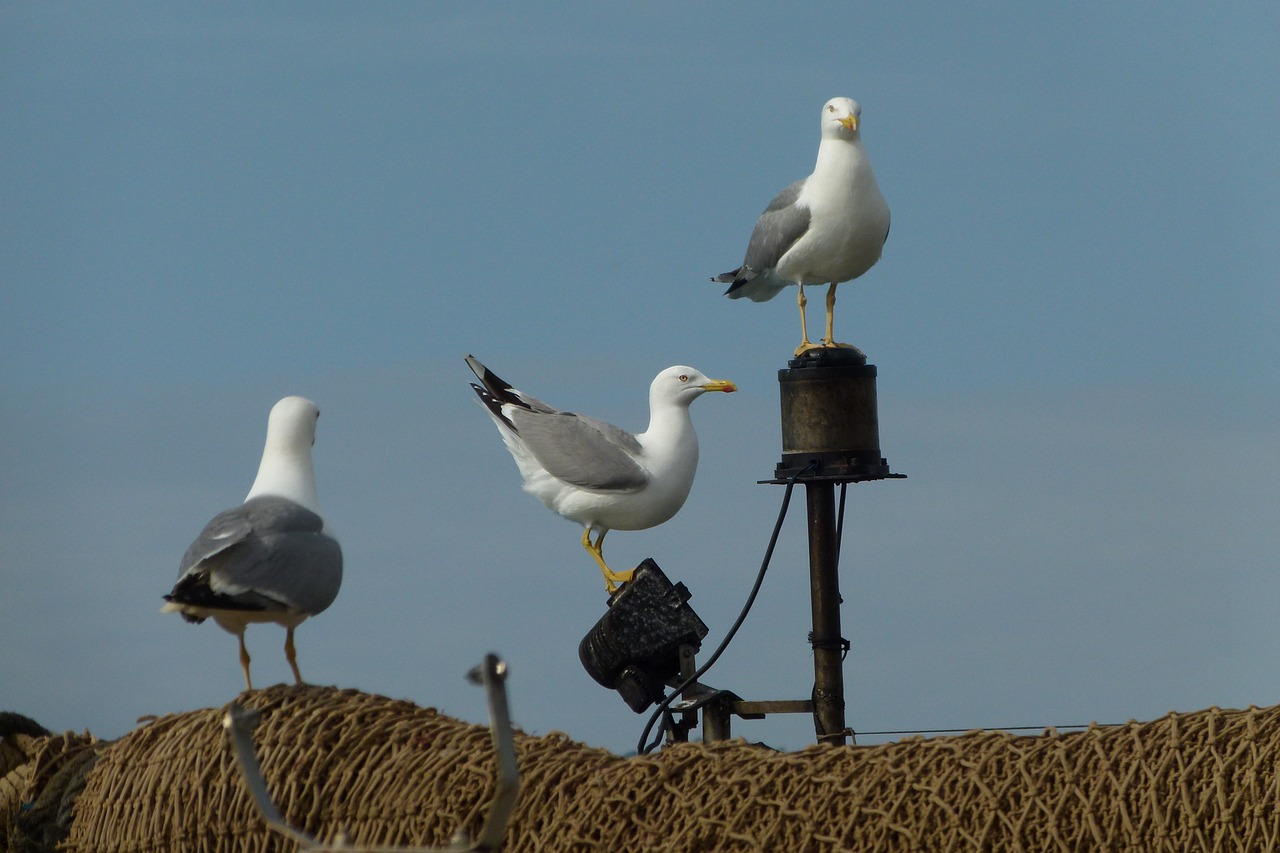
column 388, row 772
column 41, row 775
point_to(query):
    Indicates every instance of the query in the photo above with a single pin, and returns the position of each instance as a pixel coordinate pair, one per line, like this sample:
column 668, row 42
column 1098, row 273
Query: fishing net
column 41, row 776
column 390, row 772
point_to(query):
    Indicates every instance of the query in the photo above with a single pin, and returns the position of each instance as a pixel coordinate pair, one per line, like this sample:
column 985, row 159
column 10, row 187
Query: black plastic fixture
column 635, row 647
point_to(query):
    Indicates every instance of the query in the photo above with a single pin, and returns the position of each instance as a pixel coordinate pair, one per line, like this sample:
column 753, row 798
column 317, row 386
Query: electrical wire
column 840, row 524
column 839, row 542
column 992, row 729
column 662, row 710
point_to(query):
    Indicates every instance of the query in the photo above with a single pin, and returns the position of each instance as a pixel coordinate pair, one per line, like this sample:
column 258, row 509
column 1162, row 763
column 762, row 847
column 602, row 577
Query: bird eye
column 831, row 108
column 684, row 377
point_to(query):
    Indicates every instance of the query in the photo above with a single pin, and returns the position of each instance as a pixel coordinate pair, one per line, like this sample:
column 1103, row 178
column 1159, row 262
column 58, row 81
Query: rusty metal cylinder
column 829, row 417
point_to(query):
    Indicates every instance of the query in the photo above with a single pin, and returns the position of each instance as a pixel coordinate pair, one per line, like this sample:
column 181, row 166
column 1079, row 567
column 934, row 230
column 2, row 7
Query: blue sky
column 205, row 208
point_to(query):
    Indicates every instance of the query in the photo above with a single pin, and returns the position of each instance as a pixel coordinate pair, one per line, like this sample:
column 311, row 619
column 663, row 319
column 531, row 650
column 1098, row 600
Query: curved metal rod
column 493, row 675
column 240, row 722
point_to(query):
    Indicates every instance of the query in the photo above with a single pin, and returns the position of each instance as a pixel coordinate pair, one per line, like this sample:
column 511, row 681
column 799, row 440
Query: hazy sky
column 206, row 208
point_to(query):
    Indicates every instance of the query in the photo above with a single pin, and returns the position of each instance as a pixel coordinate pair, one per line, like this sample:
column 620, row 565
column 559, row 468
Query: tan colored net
column 390, row 772
column 17, row 765
column 43, row 776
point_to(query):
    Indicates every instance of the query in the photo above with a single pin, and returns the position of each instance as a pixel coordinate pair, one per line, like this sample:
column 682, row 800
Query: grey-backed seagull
column 825, row 229
column 594, row 473
column 269, row 559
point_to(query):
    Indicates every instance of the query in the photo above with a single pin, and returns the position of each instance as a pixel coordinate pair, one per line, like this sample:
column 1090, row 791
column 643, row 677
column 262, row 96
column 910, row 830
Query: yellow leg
column 805, row 344
column 611, row 578
column 291, row 654
column 830, row 340
column 244, row 662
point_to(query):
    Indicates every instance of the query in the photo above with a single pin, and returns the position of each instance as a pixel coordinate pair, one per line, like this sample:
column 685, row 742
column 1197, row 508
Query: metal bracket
column 240, row 722
column 717, row 706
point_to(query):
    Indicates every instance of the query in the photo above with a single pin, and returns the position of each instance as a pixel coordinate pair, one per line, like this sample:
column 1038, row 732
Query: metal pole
column 717, row 721
column 826, row 639
column 830, row 434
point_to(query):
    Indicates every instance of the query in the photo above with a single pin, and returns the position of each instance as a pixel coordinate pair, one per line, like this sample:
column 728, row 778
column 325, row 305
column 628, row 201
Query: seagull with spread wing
column 269, row 559
column 825, row 229
column 594, row 473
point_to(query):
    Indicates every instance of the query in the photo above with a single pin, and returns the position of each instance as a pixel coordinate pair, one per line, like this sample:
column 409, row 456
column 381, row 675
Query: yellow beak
column 720, row 385
column 850, row 121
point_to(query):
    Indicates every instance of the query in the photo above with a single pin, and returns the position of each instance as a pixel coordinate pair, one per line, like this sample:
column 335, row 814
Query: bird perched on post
column 825, row 229
column 594, row 473
column 269, row 559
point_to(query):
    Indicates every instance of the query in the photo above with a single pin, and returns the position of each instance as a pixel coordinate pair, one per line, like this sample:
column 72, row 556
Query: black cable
column 992, row 729
column 840, row 524
column 662, row 709
column 641, row 747
column 839, row 542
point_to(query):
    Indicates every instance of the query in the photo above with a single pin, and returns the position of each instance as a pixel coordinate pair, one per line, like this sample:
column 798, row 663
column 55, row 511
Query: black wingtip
column 734, row 278
column 498, row 387
column 493, row 404
column 486, row 376
column 194, row 590
column 186, row 617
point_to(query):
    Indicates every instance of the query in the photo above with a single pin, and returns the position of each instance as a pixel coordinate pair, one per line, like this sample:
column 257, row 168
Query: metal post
column 830, row 435
column 826, row 639
column 717, row 721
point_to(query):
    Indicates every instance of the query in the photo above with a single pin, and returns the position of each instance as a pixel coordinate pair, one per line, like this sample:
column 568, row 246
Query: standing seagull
column 828, row 228
column 594, row 473
column 269, row 559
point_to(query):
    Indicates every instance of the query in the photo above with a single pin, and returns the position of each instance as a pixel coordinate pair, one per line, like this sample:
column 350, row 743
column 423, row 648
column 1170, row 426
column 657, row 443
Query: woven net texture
column 41, row 775
column 388, row 772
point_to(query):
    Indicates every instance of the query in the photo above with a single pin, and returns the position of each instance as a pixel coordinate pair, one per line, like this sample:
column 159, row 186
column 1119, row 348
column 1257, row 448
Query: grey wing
column 285, row 558
column 777, row 230
column 223, row 531
column 301, row 570
column 582, row 451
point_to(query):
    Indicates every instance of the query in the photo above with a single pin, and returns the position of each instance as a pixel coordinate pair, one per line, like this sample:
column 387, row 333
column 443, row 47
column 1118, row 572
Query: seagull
column 594, row 473
column 269, row 559
column 827, row 228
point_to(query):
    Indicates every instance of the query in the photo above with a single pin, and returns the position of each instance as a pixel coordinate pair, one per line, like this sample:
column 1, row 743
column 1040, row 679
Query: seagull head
column 285, row 470
column 840, row 118
column 291, row 426
column 682, row 385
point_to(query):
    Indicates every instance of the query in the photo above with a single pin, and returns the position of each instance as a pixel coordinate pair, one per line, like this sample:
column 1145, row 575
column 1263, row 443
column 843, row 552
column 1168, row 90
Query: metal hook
column 240, row 722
